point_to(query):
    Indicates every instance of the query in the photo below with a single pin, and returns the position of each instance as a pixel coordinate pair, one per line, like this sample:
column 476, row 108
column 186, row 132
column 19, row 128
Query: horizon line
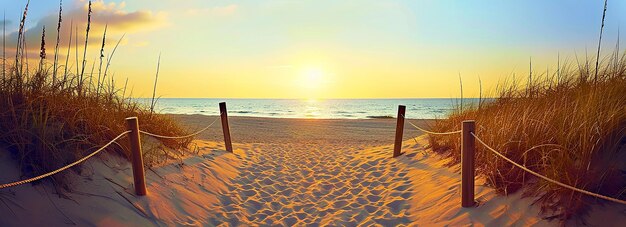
column 311, row 98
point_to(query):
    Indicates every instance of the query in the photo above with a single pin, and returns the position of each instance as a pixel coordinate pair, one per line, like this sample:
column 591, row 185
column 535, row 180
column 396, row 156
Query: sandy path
column 299, row 184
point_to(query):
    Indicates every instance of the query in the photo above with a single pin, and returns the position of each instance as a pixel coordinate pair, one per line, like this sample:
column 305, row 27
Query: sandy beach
column 290, row 172
column 359, row 132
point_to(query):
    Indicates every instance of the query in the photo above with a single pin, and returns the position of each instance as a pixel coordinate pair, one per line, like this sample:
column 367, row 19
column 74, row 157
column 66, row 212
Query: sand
column 362, row 133
column 289, row 172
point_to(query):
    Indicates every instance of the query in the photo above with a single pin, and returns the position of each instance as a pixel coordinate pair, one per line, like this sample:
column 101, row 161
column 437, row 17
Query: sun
column 312, row 82
column 312, row 78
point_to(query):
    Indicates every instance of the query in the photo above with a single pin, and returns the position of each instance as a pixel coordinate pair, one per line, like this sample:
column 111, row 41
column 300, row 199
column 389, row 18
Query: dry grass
column 50, row 117
column 563, row 125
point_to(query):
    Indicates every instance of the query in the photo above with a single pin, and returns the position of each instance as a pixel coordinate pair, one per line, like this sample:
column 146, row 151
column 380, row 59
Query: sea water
column 431, row 108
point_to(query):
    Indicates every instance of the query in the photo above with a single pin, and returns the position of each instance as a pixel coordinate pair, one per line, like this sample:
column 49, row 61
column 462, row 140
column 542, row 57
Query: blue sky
column 242, row 44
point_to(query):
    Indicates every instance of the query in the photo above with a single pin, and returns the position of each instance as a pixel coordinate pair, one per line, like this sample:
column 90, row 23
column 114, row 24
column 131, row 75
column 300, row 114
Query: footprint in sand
column 298, row 185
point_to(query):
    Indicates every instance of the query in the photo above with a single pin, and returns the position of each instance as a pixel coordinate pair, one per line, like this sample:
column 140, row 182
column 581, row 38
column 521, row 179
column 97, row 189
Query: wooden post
column 132, row 124
column 225, row 128
column 397, row 146
column 468, row 147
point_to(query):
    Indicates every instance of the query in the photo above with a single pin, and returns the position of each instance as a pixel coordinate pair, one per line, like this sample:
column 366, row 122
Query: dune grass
column 50, row 117
column 569, row 125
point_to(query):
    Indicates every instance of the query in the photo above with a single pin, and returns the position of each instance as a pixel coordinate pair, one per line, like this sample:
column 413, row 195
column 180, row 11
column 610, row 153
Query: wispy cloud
column 120, row 20
column 113, row 15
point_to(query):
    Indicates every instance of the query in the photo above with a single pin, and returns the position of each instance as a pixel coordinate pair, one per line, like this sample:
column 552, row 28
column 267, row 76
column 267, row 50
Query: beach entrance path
column 325, row 184
column 288, row 172
column 285, row 172
column 340, row 172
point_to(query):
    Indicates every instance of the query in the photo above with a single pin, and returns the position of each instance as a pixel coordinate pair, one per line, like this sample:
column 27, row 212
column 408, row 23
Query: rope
column 180, row 137
column 64, row 167
column 430, row 132
column 546, row 178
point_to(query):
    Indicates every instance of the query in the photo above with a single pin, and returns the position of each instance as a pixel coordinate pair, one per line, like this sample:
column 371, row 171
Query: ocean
column 430, row 108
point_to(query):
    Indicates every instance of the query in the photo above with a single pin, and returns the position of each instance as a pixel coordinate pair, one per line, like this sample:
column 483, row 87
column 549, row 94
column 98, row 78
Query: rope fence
column 544, row 177
column 180, row 137
column 64, row 167
column 133, row 133
column 430, row 132
column 468, row 147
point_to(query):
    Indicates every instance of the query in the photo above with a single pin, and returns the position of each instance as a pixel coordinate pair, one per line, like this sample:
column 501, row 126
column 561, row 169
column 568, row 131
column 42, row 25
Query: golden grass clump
column 567, row 126
column 50, row 117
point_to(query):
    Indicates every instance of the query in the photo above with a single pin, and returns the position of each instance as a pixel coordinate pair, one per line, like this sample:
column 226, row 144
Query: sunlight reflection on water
column 311, row 108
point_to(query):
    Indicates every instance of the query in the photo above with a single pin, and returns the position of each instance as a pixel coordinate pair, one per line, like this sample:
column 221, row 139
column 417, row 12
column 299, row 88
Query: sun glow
column 312, row 78
column 312, row 82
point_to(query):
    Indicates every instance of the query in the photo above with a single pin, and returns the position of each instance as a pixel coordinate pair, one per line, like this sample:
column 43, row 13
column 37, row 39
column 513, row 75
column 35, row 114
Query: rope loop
column 430, row 132
column 180, row 137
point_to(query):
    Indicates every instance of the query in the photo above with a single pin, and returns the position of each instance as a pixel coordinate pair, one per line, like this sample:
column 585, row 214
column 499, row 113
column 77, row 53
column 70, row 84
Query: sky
column 322, row 49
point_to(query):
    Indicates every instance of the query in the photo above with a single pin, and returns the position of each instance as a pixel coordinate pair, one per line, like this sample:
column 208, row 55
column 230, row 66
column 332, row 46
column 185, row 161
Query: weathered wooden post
column 225, row 128
column 467, row 163
column 132, row 124
column 397, row 146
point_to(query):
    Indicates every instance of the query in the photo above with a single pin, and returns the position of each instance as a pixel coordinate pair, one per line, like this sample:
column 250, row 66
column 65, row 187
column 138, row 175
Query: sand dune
column 276, row 183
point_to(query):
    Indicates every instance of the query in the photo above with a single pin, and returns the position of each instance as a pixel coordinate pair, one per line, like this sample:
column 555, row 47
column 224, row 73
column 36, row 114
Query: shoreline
column 301, row 118
column 368, row 132
column 318, row 109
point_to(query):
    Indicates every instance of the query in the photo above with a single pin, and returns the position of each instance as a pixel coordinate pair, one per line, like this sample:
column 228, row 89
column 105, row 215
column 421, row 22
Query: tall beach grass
column 50, row 116
column 569, row 125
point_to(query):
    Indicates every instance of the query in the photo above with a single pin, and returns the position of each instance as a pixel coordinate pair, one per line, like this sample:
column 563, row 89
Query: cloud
column 113, row 15
column 118, row 19
column 215, row 11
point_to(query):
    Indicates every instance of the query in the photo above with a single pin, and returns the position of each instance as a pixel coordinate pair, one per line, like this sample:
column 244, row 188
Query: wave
column 381, row 117
column 244, row 111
